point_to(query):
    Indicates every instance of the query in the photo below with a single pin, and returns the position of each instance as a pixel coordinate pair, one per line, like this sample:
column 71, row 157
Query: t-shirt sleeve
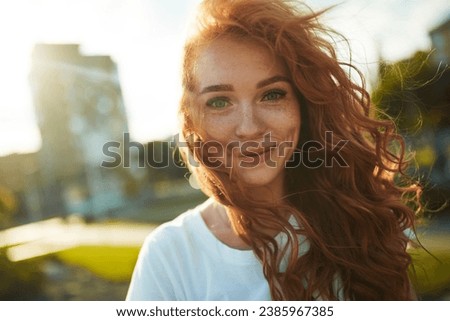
column 150, row 279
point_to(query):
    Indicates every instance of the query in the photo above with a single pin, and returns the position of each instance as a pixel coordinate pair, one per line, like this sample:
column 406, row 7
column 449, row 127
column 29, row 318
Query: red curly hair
column 352, row 216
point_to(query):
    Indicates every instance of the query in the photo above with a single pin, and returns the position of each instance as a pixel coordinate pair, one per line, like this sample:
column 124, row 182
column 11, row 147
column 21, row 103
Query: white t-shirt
column 183, row 260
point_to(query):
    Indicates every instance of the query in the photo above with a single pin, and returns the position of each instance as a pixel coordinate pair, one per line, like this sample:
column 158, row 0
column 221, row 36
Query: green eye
column 274, row 95
column 218, row 102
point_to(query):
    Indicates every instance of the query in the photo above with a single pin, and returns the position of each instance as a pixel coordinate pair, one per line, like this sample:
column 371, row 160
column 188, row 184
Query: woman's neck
column 218, row 220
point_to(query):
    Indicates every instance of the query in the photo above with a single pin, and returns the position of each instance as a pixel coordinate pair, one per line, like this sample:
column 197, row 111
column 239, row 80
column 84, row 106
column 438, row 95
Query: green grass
column 110, row 263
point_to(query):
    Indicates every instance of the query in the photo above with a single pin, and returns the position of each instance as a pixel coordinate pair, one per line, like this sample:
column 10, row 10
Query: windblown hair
column 352, row 215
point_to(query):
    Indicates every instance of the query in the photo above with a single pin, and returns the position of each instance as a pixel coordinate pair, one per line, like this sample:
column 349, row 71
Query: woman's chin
column 260, row 176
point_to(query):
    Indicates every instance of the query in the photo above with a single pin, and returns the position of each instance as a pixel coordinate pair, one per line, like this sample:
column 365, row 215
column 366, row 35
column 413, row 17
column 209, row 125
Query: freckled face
column 247, row 105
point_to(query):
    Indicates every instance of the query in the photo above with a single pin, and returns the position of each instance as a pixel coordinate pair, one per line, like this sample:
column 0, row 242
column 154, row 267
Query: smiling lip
column 254, row 154
column 257, row 152
column 255, row 157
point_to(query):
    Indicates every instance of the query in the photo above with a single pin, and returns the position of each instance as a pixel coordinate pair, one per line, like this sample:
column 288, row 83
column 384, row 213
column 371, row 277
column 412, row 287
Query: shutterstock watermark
column 215, row 154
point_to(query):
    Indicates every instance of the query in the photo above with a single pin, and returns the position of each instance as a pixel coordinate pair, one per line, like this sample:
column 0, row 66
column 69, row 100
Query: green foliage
column 20, row 280
column 399, row 92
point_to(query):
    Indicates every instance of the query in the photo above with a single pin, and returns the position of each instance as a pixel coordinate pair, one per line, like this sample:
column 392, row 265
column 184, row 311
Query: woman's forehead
column 225, row 58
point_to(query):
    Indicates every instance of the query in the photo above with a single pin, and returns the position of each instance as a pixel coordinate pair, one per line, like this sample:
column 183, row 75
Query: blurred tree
column 416, row 94
column 164, row 161
column 8, row 206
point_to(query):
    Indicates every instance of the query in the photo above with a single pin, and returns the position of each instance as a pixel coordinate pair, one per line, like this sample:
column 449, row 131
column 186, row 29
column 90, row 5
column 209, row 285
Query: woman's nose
column 250, row 125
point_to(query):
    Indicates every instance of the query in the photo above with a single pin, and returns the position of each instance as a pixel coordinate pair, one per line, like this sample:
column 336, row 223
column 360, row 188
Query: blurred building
column 440, row 40
column 79, row 107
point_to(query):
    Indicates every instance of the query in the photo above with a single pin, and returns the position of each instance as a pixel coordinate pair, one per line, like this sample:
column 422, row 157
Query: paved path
column 53, row 235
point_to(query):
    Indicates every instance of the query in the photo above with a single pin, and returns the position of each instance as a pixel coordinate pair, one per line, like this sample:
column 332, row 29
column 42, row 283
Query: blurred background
column 76, row 75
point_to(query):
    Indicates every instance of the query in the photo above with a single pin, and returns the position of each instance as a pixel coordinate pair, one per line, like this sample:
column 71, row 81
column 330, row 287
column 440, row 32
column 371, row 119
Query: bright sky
column 144, row 37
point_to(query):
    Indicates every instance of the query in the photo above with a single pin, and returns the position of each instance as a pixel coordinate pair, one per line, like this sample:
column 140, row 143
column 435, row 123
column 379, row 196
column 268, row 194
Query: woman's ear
column 193, row 181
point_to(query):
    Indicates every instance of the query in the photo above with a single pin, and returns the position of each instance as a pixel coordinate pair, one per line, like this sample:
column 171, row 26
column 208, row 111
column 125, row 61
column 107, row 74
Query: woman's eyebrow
column 260, row 84
column 217, row 88
column 271, row 80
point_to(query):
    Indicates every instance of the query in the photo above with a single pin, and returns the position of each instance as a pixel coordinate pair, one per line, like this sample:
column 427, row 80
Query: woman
column 303, row 203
